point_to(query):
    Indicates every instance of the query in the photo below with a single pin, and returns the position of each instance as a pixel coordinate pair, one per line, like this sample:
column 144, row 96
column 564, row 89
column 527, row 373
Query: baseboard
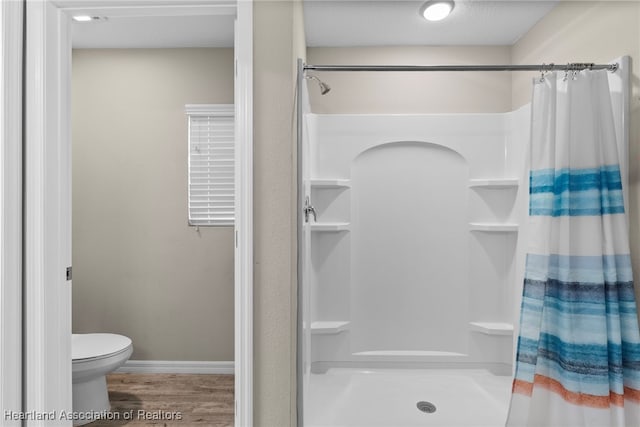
column 176, row 367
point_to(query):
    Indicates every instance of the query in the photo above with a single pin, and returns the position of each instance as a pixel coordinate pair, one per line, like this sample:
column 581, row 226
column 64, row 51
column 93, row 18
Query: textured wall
column 412, row 92
column 139, row 269
column 278, row 42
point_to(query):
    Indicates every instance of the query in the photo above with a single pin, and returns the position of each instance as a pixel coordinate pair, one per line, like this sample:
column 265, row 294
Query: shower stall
column 411, row 262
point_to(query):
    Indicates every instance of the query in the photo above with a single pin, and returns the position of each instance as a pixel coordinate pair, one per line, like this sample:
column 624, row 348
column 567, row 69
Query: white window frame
column 215, row 218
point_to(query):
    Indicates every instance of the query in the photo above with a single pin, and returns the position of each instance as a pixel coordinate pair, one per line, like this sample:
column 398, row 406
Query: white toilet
column 94, row 356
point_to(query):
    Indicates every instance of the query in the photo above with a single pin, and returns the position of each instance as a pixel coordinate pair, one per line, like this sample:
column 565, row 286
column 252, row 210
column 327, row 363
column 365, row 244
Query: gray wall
column 433, row 92
column 278, row 41
column 139, row 270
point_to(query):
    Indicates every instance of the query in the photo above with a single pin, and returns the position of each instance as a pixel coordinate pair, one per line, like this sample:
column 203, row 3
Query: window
column 211, row 164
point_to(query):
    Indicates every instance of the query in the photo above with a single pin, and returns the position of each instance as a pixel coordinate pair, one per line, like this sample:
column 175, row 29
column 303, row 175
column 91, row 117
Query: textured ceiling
column 155, row 32
column 392, row 23
column 332, row 23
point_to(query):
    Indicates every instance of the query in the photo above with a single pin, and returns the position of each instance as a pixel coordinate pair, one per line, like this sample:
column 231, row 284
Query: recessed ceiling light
column 88, row 18
column 436, row 10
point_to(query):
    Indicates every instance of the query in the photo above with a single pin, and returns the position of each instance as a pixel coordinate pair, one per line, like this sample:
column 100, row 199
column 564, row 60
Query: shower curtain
column 578, row 359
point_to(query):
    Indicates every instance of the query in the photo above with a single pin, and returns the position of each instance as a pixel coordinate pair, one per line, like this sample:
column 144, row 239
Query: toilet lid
column 91, row 346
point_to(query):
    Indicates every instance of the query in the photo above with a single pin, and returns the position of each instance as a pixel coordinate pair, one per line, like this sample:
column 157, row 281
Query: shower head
column 324, row 88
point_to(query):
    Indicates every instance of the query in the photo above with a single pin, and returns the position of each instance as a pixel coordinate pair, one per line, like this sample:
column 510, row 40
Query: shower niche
column 330, row 255
column 414, row 247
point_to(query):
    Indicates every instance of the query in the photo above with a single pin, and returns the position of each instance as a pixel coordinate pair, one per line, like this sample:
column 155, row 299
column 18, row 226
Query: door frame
column 11, row 44
column 243, row 298
column 47, row 292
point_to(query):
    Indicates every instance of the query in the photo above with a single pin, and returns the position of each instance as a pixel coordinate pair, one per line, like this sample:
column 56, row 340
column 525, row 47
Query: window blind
column 211, row 164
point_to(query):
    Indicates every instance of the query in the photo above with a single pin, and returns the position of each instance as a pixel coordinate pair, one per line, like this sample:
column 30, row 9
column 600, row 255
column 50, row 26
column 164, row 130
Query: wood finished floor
column 157, row 399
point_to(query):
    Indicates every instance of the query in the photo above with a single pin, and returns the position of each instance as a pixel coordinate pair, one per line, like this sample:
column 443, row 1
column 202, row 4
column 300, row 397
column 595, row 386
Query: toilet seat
column 95, row 356
column 86, row 347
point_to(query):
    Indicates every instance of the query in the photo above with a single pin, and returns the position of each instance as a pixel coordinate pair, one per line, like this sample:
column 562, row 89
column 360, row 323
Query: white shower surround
column 402, row 277
column 370, row 222
column 394, row 279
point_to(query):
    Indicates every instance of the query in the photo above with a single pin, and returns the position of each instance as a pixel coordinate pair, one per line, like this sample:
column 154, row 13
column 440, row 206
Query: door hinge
column 69, row 273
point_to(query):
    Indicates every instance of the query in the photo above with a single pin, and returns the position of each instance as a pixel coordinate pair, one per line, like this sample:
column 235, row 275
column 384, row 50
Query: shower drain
column 427, row 407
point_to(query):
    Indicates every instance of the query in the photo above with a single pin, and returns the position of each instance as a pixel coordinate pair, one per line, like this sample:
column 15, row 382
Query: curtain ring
column 544, row 70
column 542, row 73
column 566, row 72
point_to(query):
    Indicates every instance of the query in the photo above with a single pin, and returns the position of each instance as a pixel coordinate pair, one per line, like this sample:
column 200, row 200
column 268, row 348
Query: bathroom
column 350, row 373
column 588, row 31
column 143, row 268
column 440, row 93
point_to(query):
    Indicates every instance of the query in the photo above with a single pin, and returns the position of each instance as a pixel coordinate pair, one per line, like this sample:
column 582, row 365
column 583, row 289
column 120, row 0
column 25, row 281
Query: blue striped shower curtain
column 578, row 359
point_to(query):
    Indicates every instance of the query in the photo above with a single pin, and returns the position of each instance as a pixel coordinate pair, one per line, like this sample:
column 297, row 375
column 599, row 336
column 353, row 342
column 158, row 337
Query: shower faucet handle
column 309, row 209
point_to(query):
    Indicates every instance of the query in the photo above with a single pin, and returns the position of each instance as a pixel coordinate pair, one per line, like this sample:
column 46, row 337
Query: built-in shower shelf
column 330, row 183
column 329, row 327
column 497, row 183
column 492, row 328
column 491, row 227
column 330, row 227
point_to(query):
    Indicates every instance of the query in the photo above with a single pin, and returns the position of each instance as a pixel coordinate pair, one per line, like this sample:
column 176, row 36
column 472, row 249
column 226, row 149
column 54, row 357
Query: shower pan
column 411, row 259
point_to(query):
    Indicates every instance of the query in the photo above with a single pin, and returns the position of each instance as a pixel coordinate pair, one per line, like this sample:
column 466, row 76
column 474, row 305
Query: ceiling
column 398, row 23
column 155, row 32
column 330, row 23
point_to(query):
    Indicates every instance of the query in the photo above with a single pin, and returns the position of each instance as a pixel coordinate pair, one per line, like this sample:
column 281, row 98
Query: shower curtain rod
column 541, row 68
